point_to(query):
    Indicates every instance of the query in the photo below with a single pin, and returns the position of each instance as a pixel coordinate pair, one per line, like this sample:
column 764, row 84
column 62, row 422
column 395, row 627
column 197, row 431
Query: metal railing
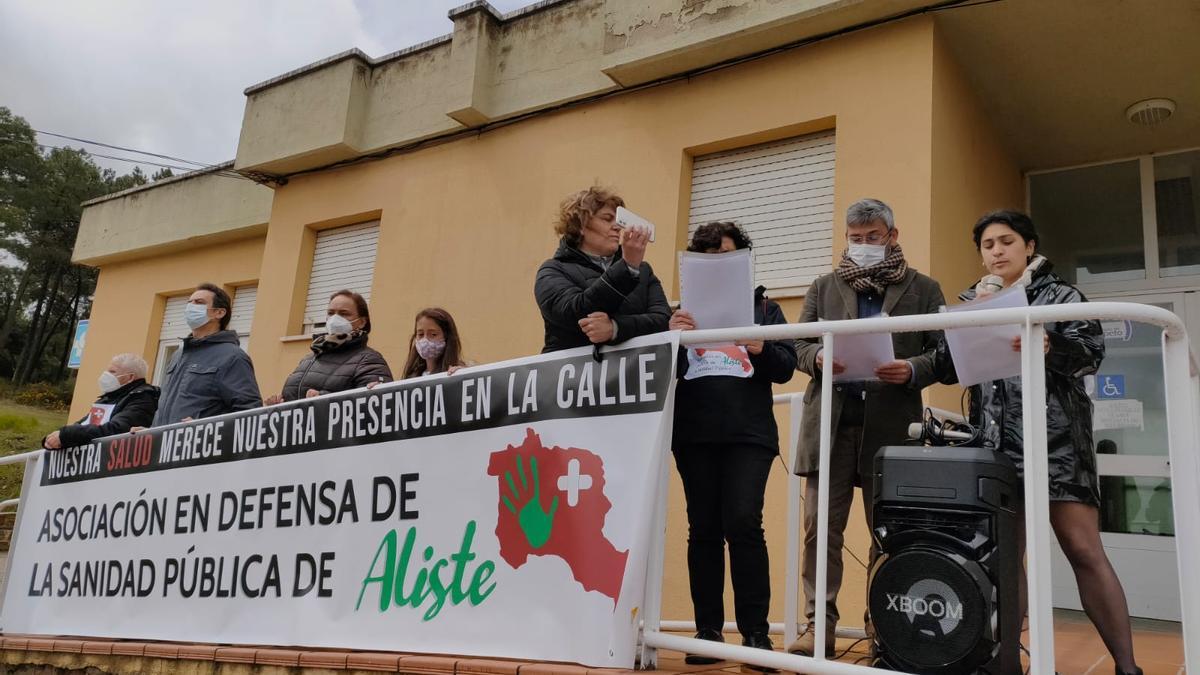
column 1182, row 386
column 22, row 459
column 1182, row 389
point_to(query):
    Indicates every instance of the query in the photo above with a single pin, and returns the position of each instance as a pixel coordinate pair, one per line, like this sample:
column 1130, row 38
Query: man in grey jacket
column 210, row 375
column 872, row 278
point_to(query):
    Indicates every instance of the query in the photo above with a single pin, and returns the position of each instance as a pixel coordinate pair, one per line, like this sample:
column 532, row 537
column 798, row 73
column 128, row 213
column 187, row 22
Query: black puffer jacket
column 570, row 286
column 735, row 410
column 1076, row 349
column 349, row 366
column 133, row 406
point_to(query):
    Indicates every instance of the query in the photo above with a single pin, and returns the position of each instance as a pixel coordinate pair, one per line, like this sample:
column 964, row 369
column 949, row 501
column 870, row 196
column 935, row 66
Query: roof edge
column 223, row 166
column 356, row 53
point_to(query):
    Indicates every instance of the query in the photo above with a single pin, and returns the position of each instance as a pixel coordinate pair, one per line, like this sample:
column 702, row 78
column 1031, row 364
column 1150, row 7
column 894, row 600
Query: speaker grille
column 930, row 608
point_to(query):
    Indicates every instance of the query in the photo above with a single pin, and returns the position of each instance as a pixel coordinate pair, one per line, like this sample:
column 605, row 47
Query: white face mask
column 196, row 315
column 865, row 255
column 338, row 325
column 109, row 382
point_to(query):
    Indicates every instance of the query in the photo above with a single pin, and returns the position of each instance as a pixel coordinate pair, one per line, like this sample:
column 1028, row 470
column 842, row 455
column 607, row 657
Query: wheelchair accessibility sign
column 1110, row 386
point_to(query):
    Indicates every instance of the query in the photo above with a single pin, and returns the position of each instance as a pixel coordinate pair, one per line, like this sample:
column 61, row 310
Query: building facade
column 430, row 177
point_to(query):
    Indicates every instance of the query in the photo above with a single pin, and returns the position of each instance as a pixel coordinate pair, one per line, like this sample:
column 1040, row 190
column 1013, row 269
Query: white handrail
column 20, row 458
column 1076, row 311
column 1181, row 399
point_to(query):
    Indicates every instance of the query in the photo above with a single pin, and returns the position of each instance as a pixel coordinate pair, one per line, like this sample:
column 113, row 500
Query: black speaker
column 943, row 593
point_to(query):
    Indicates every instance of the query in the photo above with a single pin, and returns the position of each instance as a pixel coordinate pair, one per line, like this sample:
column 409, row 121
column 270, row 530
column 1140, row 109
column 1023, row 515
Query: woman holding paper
column 1007, row 242
column 598, row 289
column 724, row 442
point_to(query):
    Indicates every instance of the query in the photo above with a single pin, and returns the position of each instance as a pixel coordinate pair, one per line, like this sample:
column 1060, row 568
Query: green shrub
column 44, row 395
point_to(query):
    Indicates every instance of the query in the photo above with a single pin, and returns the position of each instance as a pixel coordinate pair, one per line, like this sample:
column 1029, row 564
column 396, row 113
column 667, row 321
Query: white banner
column 504, row 511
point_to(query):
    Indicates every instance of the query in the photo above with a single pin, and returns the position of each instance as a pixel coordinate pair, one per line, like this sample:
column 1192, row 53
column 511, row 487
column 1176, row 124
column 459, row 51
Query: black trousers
column 724, row 486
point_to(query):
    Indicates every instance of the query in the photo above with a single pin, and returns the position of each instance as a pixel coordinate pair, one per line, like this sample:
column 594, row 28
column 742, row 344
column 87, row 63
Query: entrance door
column 1136, row 518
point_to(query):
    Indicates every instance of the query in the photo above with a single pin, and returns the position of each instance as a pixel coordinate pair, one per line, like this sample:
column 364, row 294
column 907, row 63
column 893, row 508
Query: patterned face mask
column 430, row 349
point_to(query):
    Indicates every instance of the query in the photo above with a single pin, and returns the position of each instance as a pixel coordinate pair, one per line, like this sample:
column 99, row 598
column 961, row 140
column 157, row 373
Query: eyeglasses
column 873, row 238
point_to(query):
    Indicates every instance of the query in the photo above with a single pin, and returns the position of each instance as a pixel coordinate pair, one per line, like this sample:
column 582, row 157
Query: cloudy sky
column 167, row 76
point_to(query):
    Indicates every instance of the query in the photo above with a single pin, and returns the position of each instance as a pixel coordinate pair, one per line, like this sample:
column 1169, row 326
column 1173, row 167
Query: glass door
column 1136, row 515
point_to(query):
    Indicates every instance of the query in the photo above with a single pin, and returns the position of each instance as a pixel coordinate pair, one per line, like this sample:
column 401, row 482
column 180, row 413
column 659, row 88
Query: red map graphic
column 577, row 533
column 735, row 353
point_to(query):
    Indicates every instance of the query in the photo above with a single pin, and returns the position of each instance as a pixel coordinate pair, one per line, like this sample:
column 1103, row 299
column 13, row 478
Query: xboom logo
column 930, row 605
column 924, row 607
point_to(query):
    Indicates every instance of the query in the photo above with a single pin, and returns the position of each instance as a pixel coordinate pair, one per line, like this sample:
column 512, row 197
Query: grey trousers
column 843, row 472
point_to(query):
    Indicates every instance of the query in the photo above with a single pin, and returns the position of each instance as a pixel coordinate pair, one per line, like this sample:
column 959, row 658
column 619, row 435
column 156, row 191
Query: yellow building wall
column 973, row 173
column 465, row 225
column 130, row 296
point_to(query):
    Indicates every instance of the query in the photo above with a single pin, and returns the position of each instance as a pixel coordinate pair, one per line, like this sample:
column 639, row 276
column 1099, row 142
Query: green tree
column 42, row 293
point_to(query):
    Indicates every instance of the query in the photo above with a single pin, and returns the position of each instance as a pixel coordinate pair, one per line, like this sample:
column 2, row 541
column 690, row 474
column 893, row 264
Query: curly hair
column 578, row 208
column 709, row 236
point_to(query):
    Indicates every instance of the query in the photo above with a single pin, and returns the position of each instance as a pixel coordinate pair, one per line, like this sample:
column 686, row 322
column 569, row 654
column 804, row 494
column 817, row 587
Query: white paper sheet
column 984, row 354
column 861, row 354
column 627, row 218
column 717, row 288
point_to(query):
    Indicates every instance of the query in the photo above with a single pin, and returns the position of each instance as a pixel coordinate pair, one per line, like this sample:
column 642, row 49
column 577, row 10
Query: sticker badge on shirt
column 100, row 413
column 727, row 361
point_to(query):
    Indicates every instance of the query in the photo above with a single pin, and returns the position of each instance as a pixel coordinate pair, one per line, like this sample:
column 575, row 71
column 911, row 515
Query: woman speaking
column 1007, row 242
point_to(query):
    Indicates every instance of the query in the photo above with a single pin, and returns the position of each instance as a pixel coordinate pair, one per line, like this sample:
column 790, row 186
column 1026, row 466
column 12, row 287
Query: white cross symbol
column 572, row 482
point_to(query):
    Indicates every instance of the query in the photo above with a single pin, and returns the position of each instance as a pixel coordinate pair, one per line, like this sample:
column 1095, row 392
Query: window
column 1090, row 222
column 781, row 193
column 173, row 328
column 1130, row 225
column 344, row 257
column 1177, row 210
column 244, row 298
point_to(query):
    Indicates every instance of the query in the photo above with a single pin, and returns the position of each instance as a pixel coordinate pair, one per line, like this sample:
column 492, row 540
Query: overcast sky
column 167, row 76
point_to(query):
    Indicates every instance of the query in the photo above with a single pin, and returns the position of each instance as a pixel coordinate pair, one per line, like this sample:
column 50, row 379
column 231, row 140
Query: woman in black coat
column 340, row 358
column 597, row 289
column 1007, row 242
column 724, row 442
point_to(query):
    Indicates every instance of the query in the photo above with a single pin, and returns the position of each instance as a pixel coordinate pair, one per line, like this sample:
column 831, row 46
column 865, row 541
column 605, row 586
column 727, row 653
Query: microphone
column 992, row 283
column 916, row 432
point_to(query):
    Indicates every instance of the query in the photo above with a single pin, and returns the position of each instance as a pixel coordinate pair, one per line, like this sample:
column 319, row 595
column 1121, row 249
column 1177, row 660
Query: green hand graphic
column 534, row 522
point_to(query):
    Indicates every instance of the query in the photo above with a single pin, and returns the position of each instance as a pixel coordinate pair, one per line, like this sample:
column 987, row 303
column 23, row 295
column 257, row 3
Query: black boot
column 1136, row 671
column 698, row 660
column 759, row 641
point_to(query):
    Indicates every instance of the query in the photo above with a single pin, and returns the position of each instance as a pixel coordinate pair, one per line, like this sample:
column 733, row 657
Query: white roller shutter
column 174, row 326
column 244, row 298
column 344, row 258
column 781, row 193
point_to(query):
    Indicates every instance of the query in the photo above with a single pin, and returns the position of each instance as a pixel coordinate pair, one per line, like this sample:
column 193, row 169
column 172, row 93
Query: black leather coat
column 1076, row 349
column 570, row 286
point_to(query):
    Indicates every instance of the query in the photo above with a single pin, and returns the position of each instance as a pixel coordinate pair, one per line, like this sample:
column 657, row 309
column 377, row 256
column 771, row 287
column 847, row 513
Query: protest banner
column 502, row 511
